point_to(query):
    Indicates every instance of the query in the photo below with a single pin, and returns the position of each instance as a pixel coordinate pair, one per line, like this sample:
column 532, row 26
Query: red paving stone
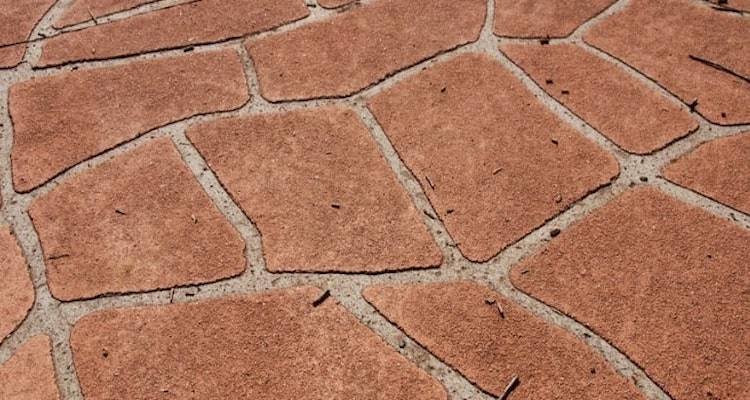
column 274, row 345
column 17, row 20
column 665, row 282
column 494, row 162
column 306, row 179
column 719, row 169
column 64, row 119
column 10, row 56
column 189, row 24
column 544, row 18
column 16, row 291
column 138, row 222
column 637, row 118
column 462, row 324
column 658, row 38
column 86, row 10
column 351, row 51
column 29, row 373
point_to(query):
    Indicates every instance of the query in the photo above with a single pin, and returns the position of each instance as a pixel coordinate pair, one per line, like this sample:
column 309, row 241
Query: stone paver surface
column 374, row 199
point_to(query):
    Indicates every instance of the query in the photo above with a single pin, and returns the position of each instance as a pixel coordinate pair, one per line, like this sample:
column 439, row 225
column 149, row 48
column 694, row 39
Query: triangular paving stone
column 138, row 222
column 320, row 192
column 282, row 344
column 16, row 289
column 29, row 374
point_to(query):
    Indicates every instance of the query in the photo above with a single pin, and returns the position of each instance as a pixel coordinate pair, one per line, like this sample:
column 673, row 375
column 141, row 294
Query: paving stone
column 319, row 191
column 351, row 51
column 718, row 169
column 334, row 3
column 17, row 20
column 29, row 373
column 189, row 24
column 637, row 119
column 658, row 38
column 275, row 345
column 11, row 56
column 493, row 160
column 489, row 340
column 86, row 10
column 544, row 18
column 67, row 118
column 138, row 222
column 16, row 291
column 664, row 282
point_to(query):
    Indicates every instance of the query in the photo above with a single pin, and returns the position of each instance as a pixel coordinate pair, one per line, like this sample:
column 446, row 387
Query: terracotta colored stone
column 719, row 169
column 334, row 3
column 193, row 23
column 86, row 10
column 658, row 38
column 64, row 119
column 16, row 290
column 349, row 52
column 544, row 18
column 11, row 56
column 274, row 345
column 663, row 281
column 138, row 222
column 637, row 118
column 461, row 323
column 29, row 373
column 493, row 160
column 18, row 19
column 319, row 191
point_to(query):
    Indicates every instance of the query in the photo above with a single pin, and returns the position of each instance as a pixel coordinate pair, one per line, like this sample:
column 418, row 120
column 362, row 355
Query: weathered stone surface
column 138, row 222
column 61, row 120
column 16, row 290
column 17, row 20
column 664, row 282
column 319, row 191
column 544, row 18
column 353, row 50
column 29, row 373
column 275, row 345
column 86, row 10
column 10, row 56
column 493, row 160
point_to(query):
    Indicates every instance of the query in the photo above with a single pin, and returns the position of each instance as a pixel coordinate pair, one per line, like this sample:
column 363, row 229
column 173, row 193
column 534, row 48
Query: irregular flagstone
column 663, row 281
column 86, row 10
column 349, row 52
column 637, row 118
column 283, row 344
column 188, row 24
column 29, row 374
column 334, row 3
column 17, row 20
column 138, row 222
column 493, row 160
column 319, row 191
column 10, row 56
column 667, row 40
column 719, row 169
column 61, row 120
column 489, row 340
column 544, row 18
column 16, row 290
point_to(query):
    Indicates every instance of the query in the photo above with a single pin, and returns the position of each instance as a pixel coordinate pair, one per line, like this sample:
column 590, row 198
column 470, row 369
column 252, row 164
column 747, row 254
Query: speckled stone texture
column 544, row 18
column 16, row 290
column 192, row 23
column 17, row 20
column 320, row 192
column 63, row 119
column 628, row 112
column 138, row 222
column 490, row 339
column 86, row 10
column 493, row 161
column 29, row 374
column 719, row 169
column 356, row 49
column 664, row 282
column 274, row 345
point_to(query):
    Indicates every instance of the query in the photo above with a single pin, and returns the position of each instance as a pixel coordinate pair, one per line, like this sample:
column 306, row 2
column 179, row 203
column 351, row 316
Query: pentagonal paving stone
column 544, row 18
column 334, row 3
column 17, row 20
column 663, row 281
column 29, row 373
column 138, row 222
column 193, row 23
column 683, row 46
column 637, row 118
column 346, row 53
column 286, row 344
column 719, row 169
column 16, row 290
column 64, row 119
column 87, row 10
column 319, row 191
column 489, row 340
column 493, row 160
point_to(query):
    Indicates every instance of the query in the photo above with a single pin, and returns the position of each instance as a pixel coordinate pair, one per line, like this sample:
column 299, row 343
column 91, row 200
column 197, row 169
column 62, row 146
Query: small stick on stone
column 117, row 210
column 322, row 298
column 429, row 182
column 497, row 171
column 92, row 16
column 512, row 385
column 499, row 307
